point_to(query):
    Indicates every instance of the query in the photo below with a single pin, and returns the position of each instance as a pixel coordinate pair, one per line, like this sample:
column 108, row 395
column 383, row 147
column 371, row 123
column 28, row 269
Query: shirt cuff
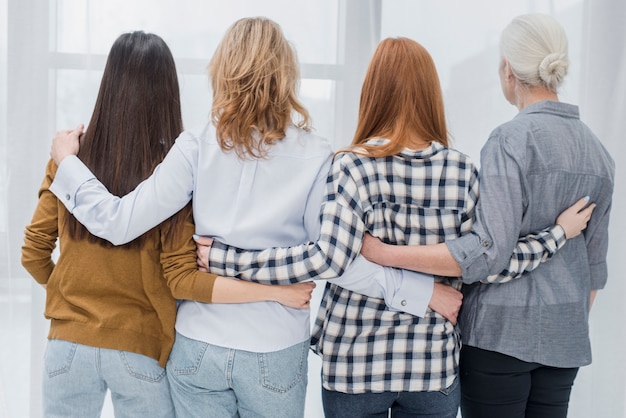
column 70, row 176
column 217, row 259
column 408, row 291
column 468, row 251
column 558, row 233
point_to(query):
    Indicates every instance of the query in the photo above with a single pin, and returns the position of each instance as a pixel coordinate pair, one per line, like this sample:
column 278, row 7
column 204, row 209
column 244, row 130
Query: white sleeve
column 403, row 290
column 122, row 219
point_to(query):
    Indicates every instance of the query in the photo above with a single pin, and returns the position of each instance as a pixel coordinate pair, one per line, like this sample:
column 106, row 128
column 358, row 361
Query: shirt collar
column 429, row 151
column 556, row 108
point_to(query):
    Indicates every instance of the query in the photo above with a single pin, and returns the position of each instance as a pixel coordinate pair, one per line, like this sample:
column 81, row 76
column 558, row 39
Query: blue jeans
column 211, row 381
column 76, row 379
column 441, row 404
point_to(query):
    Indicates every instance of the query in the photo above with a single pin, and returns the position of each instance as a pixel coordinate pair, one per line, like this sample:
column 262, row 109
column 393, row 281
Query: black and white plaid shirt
column 414, row 197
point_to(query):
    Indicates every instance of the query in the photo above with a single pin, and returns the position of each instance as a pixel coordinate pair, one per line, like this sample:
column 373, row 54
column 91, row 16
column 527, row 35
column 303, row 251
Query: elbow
column 330, row 270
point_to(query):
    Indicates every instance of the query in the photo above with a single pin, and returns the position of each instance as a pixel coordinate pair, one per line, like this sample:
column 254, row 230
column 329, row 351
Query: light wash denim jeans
column 76, row 379
column 210, row 381
column 439, row 404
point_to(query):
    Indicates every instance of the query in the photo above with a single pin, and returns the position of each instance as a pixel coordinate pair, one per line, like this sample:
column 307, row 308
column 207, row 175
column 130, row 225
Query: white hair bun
column 553, row 68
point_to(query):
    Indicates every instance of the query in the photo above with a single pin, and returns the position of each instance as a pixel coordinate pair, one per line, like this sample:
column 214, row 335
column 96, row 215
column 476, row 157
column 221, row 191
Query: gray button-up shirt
column 532, row 168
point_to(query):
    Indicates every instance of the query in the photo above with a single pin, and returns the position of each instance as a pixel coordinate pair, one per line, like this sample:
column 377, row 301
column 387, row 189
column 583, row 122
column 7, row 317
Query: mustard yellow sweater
column 118, row 298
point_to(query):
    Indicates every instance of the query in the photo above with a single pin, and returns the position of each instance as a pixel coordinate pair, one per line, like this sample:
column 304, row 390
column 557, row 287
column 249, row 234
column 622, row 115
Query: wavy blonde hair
column 255, row 77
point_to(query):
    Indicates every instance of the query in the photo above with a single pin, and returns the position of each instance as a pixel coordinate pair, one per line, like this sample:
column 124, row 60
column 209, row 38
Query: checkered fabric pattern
column 414, row 197
column 531, row 250
column 421, row 197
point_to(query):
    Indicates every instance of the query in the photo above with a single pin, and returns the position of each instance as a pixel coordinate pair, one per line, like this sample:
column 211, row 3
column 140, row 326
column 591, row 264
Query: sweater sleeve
column 178, row 258
column 41, row 234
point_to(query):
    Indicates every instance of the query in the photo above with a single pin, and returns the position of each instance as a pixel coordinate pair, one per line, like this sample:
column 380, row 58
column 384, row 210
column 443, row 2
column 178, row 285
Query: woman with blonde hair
column 251, row 173
column 258, row 180
column 401, row 182
column 112, row 309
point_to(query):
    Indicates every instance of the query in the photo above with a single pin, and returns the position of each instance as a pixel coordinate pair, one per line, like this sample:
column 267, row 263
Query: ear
column 506, row 69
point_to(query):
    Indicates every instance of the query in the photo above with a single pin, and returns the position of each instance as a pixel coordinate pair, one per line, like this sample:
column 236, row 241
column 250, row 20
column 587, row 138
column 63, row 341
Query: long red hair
column 401, row 99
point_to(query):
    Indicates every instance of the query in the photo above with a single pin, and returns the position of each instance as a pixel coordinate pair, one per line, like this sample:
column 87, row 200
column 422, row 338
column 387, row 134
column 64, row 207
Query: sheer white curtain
column 601, row 388
column 52, row 54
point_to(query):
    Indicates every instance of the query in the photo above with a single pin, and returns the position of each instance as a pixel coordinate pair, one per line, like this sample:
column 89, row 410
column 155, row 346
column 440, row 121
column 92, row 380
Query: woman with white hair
column 523, row 341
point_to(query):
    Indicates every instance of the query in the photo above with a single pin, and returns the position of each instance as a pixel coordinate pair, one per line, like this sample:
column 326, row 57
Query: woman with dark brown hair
column 258, row 180
column 256, row 173
column 111, row 312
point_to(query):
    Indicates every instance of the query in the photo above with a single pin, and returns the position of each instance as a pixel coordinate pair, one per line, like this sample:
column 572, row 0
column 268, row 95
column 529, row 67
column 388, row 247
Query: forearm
column 122, row 219
column 37, row 255
column 39, row 269
column 592, row 298
column 227, row 290
column 530, row 251
column 430, row 259
column 338, row 245
column 40, row 236
column 403, row 290
column 340, row 238
column 192, row 285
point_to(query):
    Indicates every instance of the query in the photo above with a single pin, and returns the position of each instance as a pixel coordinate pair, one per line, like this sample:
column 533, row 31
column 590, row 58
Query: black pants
column 495, row 385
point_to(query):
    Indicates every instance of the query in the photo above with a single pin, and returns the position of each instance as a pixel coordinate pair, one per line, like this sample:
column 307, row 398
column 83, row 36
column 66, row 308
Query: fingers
column 202, row 266
column 65, row 143
column 446, row 301
column 586, row 212
column 581, row 203
column 575, row 218
column 309, row 295
column 77, row 132
column 204, row 241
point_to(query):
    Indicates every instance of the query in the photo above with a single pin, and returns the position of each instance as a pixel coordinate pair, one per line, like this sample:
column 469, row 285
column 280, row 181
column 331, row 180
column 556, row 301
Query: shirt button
column 67, row 197
column 485, row 243
column 403, row 303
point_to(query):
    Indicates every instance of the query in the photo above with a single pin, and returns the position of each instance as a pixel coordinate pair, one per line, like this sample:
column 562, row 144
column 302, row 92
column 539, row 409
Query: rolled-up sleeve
column 487, row 248
column 468, row 251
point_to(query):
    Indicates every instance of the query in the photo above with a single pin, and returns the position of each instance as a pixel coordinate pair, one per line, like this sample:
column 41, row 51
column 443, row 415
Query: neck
column 527, row 96
column 417, row 144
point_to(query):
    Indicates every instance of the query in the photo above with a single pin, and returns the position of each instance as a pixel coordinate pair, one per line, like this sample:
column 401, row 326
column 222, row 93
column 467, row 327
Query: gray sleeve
column 487, row 248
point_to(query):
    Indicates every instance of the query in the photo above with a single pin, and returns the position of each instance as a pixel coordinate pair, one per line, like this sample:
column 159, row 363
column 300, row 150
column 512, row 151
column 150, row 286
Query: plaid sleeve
column 530, row 251
column 471, row 199
column 341, row 235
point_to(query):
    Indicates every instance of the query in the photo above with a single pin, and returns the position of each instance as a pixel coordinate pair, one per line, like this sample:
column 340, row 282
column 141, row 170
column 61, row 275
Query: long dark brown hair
column 401, row 99
column 135, row 122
